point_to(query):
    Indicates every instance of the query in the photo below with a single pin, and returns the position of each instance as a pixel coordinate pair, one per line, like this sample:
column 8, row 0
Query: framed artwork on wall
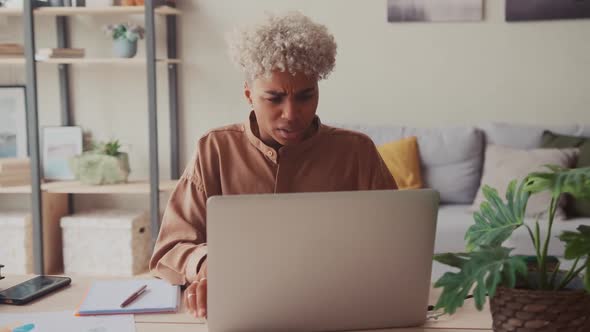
column 60, row 145
column 537, row 10
column 434, row 10
column 13, row 122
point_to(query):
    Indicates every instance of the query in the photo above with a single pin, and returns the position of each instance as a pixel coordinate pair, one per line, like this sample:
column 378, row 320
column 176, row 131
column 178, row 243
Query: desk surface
column 466, row 319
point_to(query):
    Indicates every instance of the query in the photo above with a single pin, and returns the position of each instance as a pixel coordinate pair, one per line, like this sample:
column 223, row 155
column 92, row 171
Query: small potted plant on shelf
column 125, row 37
column 103, row 164
column 531, row 297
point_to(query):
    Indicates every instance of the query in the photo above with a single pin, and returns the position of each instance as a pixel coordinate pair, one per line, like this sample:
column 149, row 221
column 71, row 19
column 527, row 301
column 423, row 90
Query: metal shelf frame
column 67, row 116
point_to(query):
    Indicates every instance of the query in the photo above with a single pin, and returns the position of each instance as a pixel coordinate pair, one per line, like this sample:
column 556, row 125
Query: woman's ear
column 248, row 93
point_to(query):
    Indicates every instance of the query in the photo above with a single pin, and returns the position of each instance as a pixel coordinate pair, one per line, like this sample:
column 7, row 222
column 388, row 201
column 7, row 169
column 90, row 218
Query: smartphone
column 32, row 289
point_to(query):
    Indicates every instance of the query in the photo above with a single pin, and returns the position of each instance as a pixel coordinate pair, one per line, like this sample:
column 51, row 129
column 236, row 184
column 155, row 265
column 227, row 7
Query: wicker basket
column 525, row 310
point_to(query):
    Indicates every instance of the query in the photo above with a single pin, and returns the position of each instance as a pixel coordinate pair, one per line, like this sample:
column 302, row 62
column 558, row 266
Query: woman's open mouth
column 289, row 134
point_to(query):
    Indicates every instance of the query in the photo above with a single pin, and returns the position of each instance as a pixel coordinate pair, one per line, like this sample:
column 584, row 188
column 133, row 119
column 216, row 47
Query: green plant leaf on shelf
column 560, row 180
column 496, row 219
column 577, row 244
column 485, row 269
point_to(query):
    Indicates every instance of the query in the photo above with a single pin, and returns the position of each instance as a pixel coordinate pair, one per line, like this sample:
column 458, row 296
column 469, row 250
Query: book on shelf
column 15, row 182
column 51, row 53
column 11, row 50
column 14, row 164
column 15, row 175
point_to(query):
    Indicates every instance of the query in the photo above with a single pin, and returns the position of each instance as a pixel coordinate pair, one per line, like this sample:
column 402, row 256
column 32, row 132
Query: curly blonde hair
column 290, row 42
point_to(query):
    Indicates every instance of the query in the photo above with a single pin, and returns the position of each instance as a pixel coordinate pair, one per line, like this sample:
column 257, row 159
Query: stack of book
column 14, row 172
column 51, row 53
column 11, row 50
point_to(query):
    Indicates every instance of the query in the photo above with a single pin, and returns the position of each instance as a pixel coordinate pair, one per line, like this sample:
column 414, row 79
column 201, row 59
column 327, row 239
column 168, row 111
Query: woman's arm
column 181, row 246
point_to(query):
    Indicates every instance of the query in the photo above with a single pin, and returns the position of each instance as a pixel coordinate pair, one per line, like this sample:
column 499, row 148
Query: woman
column 281, row 148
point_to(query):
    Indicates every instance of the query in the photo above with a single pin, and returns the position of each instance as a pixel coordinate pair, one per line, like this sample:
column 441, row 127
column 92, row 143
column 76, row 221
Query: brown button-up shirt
column 233, row 160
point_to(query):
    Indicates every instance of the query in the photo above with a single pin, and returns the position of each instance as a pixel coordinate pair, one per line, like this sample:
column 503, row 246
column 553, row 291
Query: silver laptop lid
column 320, row 261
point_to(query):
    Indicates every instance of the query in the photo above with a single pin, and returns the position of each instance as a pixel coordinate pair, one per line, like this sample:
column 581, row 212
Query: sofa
column 452, row 159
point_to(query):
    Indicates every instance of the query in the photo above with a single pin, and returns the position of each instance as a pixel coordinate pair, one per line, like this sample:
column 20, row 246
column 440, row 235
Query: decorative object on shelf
column 99, row 3
column 52, row 53
column 434, row 10
column 134, row 3
column 537, row 10
column 14, row 172
column 16, row 238
column 13, row 3
column 85, row 234
column 520, row 296
column 125, row 37
column 13, row 122
column 104, row 164
column 60, row 144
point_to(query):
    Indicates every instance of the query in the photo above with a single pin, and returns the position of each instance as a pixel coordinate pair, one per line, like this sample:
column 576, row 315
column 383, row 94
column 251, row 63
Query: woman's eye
column 275, row 100
column 305, row 97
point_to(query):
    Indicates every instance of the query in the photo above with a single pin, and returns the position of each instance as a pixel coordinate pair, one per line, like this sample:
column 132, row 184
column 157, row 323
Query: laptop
column 329, row 261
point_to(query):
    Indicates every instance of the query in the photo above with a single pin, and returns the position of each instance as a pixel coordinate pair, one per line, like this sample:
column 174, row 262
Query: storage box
column 16, row 242
column 106, row 242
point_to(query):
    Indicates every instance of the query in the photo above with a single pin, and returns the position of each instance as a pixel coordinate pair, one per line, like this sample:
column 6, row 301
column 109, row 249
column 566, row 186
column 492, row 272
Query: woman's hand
column 195, row 295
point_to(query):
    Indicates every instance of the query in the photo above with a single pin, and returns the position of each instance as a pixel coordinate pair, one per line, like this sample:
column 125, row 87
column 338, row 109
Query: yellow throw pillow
column 403, row 161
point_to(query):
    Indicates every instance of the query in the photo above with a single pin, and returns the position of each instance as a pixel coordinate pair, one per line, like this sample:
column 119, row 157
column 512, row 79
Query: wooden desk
column 467, row 319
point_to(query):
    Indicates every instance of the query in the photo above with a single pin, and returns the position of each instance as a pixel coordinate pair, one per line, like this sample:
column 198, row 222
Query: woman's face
column 285, row 106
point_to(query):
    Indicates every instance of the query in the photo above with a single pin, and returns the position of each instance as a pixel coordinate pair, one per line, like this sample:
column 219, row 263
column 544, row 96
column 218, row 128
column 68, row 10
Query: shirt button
column 270, row 153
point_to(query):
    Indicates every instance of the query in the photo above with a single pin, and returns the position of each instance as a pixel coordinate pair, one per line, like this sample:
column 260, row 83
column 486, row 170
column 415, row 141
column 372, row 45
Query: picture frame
column 542, row 10
column 13, row 121
column 60, row 145
column 399, row 11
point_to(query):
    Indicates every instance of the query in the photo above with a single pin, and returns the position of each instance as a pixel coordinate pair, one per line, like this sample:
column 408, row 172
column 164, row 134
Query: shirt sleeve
column 181, row 245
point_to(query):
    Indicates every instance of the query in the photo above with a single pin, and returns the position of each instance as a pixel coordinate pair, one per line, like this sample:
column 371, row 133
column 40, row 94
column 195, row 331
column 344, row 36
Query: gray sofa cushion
column 520, row 136
column 451, row 158
column 454, row 220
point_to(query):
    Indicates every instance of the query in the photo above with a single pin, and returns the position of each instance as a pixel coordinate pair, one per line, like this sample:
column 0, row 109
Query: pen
column 133, row 296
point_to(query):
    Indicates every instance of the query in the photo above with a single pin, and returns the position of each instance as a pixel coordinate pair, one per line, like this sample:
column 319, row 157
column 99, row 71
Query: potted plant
column 125, row 37
column 103, row 164
column 527, row 298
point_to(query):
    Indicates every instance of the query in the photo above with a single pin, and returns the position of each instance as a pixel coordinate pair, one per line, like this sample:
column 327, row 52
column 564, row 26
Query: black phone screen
column 33, row 287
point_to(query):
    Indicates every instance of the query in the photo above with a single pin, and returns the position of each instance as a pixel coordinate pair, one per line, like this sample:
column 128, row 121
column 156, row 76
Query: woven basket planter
column 525, row 310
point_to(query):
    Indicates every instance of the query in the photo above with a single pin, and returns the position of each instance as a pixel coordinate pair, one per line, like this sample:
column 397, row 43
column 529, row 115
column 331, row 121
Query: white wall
column 422, row 74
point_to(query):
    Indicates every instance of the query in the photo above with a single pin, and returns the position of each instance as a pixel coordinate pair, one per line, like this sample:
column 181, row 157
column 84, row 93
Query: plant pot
column 538, row 310
column 123, row 48
column 96, row 169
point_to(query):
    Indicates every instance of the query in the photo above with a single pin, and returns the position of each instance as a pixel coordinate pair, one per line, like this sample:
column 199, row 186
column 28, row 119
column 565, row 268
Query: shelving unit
column 52, row 200
column 74, row 11
column 74, row 187
column 89, row 61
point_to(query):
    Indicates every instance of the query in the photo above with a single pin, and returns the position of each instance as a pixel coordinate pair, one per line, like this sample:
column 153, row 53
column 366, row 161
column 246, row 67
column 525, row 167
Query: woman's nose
column 289, row 111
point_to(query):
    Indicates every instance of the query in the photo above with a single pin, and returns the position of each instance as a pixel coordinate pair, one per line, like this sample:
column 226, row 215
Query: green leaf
column 496, row 219
column 484, row 269
column 577, row 244
column 587, row 276
column 454, row 260
column 560, row 180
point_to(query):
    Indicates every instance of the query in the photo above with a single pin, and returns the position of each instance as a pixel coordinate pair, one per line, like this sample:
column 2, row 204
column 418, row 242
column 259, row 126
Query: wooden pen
column 133, row 296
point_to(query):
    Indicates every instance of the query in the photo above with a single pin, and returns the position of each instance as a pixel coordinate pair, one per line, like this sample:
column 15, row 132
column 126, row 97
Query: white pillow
column 504, row 164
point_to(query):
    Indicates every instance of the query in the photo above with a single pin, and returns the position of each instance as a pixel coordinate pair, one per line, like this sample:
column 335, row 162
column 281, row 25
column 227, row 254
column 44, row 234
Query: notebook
column 105, row 297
